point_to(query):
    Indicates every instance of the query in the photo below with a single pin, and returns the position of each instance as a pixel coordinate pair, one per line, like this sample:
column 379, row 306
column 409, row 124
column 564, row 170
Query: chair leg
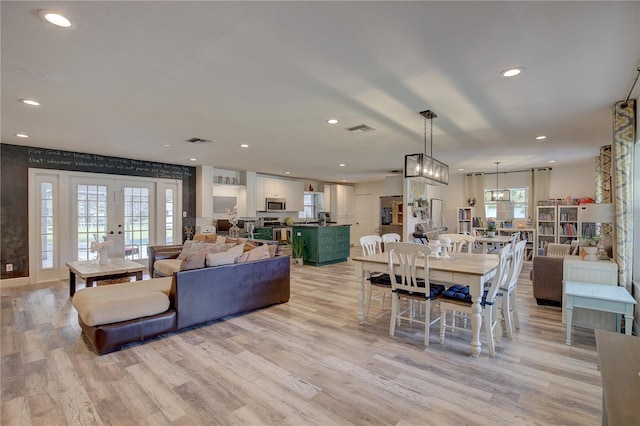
column 366, row 311
column 506, row 314
column 394, row 312
column 514, row 308
column 427, row 320
column 443, row 324
column 488, row 329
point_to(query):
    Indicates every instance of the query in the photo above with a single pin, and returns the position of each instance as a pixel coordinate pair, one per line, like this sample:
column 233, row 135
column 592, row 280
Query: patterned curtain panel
column 623, row 141
column 603, row 175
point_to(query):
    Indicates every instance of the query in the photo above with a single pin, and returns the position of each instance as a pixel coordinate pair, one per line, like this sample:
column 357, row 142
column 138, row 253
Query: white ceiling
column 135, row 75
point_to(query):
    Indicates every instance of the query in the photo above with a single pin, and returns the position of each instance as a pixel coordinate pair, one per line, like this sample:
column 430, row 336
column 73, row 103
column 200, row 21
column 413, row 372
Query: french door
column 75, row 212
column 113, row 213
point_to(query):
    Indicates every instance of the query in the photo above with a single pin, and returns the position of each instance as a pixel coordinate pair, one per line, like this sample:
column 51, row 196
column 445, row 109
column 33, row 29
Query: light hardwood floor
column 304, row 362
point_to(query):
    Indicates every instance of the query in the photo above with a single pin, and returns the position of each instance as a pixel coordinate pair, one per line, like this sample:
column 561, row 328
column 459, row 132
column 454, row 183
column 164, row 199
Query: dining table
column 472, row 269
column 497, row 240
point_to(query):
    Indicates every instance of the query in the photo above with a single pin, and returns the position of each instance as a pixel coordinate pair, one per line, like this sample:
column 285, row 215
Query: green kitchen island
column 324, row 245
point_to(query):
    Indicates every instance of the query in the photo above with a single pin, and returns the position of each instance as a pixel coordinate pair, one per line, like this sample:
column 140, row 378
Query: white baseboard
column 14, row 282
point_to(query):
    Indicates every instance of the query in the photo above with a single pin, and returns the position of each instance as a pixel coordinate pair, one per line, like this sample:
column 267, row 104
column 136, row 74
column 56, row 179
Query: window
column 169, row 207
column 518, row 197
column 46, row 221
column 313, row 205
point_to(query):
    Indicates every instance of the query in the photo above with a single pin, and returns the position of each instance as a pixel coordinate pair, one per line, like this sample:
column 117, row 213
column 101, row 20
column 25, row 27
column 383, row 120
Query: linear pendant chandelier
column 499, row 194
column 425, row 166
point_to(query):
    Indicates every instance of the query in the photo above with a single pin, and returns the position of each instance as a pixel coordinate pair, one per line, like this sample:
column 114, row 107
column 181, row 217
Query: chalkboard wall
column 14, row 187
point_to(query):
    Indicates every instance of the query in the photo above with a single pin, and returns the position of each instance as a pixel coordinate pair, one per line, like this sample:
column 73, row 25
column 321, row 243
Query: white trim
column 14, row 282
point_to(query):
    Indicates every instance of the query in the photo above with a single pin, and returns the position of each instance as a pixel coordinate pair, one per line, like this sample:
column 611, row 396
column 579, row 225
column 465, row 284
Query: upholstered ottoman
column 121, row 313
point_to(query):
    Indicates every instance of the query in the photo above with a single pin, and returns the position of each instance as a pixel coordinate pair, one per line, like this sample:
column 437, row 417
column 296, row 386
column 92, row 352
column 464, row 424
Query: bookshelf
column 546, row 221
column 528, row 234
column 465, row 220
column 568, row 225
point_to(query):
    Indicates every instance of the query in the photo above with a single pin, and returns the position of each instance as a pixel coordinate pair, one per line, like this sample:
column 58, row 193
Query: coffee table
column 92, row 270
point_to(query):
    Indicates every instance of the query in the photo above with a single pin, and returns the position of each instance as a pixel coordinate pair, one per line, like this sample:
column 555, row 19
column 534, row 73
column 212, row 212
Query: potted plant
column 589, row 248
column 297, row 251
column 491, row 229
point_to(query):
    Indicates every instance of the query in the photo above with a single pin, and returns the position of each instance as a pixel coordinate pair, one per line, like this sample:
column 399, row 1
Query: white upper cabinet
column 343, row 203
column 291, row 190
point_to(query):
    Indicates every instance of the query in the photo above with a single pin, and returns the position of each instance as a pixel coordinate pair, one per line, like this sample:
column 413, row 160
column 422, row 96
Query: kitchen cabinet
column 343, row 204
column 290, row 190
column 324, row 245
column 263, row 233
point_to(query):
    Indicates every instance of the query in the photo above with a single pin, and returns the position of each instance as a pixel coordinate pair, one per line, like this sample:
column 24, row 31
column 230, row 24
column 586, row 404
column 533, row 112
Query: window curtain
column 538, row 190
column 622, row 159
column 603, row 175
column 474, row 187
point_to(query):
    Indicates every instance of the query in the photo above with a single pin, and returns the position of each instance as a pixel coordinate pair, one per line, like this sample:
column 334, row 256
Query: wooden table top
column 620, row 370
column 92, row 268
column 496, row 239
column 467, row 263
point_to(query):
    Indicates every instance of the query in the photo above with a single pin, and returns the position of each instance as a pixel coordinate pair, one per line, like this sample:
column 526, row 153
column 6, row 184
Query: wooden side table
column 605, row 298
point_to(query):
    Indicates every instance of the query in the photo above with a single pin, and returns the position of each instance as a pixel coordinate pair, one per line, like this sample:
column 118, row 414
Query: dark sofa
column 198, row 296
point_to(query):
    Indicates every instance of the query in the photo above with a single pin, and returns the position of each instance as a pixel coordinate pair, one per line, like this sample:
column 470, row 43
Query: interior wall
column 575, row 181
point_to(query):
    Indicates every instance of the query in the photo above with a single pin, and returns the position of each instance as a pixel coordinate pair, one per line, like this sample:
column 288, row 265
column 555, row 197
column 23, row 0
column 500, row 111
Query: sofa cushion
column 167, row 266
column 194, row 260
column 122, row 302
column 225, row 258
column 205, row 238
column 257, row 253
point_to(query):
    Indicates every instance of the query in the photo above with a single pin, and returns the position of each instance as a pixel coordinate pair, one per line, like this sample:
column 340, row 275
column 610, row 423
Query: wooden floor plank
column 305, row 362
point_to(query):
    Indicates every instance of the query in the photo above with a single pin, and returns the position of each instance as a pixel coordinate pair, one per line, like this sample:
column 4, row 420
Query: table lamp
column 598, row 214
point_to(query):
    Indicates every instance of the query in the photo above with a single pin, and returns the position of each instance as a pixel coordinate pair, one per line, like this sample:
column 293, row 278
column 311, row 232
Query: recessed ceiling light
column 460, row 170
column 31, row 102
column 511, row 72
column 344, row 180
column 552, row 161
column 342, row 165
column 332, row 121
column 193, row 159
column 57, row 19
column 287, row 173
column 244, row 145
column 22, row 135
column 166, row 145
column 541, row 137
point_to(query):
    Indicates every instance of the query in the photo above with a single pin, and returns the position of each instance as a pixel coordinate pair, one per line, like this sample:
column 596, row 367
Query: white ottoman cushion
column 122, row 302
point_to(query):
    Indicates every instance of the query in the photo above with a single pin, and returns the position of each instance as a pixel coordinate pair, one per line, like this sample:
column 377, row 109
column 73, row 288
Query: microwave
column 276, row 205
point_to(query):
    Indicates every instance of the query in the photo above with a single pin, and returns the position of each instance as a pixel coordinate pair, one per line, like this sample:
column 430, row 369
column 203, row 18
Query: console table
column 605, row 298
column 619, row 366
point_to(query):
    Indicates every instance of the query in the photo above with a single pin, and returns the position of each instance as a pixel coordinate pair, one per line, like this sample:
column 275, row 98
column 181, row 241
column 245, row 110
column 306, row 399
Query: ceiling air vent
column 198, row 140
column 360, row 128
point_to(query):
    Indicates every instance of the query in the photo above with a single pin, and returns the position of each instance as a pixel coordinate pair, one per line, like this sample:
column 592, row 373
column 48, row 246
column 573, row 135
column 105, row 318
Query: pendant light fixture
column 499, row 194
column 425, row 166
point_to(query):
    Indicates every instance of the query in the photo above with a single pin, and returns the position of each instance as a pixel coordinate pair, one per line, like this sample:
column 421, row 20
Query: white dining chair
column 459, row 241
column 507, row 293
column 456, row 300
column 408, row 281
column 371, row 244
column 391, row 238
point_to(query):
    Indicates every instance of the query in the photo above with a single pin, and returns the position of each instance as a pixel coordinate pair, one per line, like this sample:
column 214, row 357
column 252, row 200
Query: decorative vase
column 491, row 234
column 103, row 256
column 234, row 231
column 589, row 253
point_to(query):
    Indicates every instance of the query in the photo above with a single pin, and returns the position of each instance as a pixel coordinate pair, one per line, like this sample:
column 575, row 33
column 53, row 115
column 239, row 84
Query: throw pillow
column 226, row 257
column 194, row 260
column 249, row 246
column 186, row 247
column 273, row 248
column 205, row 238
column 258, row 253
